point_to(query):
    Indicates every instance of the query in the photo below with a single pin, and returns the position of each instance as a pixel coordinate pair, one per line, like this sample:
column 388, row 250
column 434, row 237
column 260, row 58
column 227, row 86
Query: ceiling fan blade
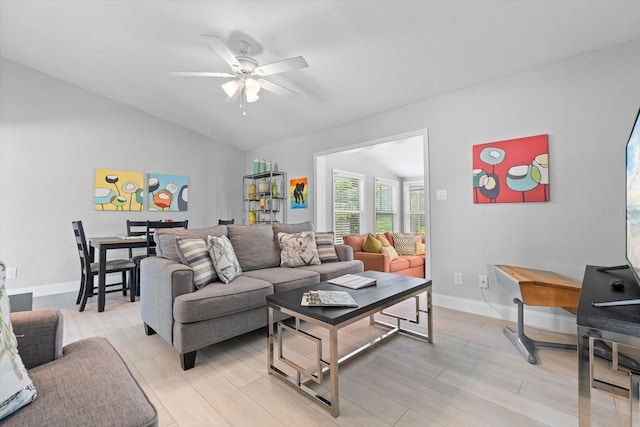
column 199, row 74
column 221, row 48
column 281, row 66
column 277, row 89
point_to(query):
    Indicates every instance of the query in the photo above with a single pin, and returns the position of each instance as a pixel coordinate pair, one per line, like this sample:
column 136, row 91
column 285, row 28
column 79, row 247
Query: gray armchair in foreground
column 83, row 383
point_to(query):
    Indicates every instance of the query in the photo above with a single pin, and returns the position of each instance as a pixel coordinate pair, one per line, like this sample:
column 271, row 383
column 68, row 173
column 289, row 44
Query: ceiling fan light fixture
column 251, row 97
column 252, row 86
column 230, row 88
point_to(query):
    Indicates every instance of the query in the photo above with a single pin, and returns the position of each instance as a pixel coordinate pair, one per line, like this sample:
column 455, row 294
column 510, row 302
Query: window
column 386, row 203
column 348, row 203
column 414, row 207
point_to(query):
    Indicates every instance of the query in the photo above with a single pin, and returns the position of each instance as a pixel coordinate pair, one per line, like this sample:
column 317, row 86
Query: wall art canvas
column 298, row 193
column 118, row 190
column 168, row 192
column 512, row 171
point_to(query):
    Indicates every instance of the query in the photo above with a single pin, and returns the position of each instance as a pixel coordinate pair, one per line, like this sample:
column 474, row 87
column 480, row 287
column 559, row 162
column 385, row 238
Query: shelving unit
column 266, row 206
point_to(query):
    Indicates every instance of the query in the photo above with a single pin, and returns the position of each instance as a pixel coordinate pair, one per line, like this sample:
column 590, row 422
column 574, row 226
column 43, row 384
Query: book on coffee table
column 328, row 299
column 353, row 281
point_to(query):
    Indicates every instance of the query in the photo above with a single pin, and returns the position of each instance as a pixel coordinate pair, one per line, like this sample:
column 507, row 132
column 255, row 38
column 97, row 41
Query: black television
column 633, row 199
column 632, row 202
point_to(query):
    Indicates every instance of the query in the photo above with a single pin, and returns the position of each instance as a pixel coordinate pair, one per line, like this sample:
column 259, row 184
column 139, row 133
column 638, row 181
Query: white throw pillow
column 224, row 258
column 17, row 388
column 298, row 249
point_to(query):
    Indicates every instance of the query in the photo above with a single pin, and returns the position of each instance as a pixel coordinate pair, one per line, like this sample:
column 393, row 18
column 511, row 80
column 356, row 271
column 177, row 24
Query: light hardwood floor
column 470, row 376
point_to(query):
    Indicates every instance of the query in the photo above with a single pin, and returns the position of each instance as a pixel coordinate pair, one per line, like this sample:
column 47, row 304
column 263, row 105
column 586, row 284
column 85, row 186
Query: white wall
column 54, row 135
column 586, row 104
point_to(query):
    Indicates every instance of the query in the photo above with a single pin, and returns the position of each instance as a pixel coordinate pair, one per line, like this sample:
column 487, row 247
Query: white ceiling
column 365, row 57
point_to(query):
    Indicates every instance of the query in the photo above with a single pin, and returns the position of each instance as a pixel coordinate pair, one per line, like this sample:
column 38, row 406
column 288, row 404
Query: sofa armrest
column 345, row 252
column 371, row 261
column 161, row 281
column 39, row 335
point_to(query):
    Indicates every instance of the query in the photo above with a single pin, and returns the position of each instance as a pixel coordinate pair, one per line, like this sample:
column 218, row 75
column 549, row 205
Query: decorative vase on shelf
column 252, row 191
column 274, row 188
column 252, row 217
column 256, row 166
column 263, row 186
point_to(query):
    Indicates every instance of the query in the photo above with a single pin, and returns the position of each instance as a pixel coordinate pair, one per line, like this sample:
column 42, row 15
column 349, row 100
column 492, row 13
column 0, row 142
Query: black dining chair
column 89, row 269
column 225, row 221
column 152, row 226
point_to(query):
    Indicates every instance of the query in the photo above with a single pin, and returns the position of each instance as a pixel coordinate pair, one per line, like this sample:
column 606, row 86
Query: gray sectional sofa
column 190, row 318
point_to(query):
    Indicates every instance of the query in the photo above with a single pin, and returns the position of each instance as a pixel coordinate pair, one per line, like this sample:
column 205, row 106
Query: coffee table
column 390, row 290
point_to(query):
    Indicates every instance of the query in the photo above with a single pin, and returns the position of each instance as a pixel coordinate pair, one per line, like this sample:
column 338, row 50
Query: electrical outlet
column 457, row 278
column 12, row 273
column 483, row 282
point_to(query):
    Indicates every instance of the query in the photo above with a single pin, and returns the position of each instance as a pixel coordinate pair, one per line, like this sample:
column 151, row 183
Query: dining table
column 102, row 245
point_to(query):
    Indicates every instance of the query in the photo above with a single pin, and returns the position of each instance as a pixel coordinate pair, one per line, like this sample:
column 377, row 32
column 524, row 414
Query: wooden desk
column 540, row 288
column 103, row 244
column 615, row 324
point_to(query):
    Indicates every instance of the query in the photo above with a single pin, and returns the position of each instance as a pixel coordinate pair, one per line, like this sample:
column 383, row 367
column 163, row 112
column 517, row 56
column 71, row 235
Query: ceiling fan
column 247, row 72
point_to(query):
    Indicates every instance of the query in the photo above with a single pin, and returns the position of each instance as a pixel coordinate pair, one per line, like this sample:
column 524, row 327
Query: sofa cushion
column 195, row 254
column 334, row 269
column 371, row 244
column 405, row 244
column 254, row 246
column 414, row 260
column 213, row 301
column 398, row 264
column 284, row 279
column 224, row 258
column 165, row 238
column 298, row 249
column 17, row 388
column 325, row 243
column 89, row 386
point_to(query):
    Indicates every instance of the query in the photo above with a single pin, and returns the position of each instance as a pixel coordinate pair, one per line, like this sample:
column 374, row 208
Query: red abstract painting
column 512, row 171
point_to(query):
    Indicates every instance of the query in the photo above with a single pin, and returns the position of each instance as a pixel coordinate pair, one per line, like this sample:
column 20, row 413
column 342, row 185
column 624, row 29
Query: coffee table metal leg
column 333, row 369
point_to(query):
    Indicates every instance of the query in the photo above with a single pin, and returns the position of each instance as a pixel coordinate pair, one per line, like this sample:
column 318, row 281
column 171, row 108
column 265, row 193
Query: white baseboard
column 50, row 289
column 533, row 318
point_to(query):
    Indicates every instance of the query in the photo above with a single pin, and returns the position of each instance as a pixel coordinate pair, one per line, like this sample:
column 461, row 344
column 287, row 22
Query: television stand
column 615, row 267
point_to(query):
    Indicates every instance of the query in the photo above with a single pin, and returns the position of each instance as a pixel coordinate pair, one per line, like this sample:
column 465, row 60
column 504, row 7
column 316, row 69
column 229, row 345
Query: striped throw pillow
column 326, row 247
column 195, row 254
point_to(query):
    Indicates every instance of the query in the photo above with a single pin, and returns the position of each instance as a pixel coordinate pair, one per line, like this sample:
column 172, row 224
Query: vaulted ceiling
column 365, row 57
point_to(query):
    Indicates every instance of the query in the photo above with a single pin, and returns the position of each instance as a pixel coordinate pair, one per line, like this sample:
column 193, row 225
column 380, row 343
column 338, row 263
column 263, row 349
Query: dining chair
column 89, row 269
column 152, row 226
column 225, row 221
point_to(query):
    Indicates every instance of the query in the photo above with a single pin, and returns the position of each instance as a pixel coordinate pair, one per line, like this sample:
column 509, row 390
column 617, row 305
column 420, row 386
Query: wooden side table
column 540, row 288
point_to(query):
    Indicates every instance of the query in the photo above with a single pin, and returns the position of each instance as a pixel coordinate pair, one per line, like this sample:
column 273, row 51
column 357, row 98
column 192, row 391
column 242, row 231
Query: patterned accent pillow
column 195, row 254
column 224, row 258
column 298, row 249
column 420, row 248
column 405, row 244
column 17, row 388
column 326, row 247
